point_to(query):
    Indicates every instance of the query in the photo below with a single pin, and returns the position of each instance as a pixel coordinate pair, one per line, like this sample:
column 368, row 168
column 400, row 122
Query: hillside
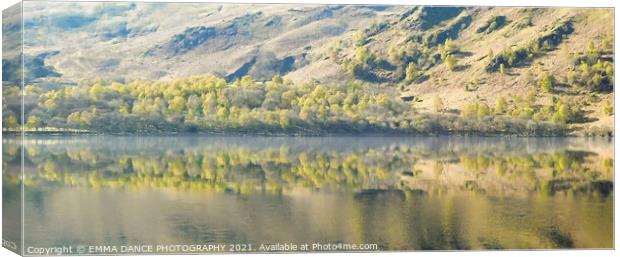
column 549, row 66
column 118, row 41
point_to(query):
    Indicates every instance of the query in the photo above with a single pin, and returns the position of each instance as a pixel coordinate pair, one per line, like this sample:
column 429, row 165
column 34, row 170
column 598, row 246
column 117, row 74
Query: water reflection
column 401, row 193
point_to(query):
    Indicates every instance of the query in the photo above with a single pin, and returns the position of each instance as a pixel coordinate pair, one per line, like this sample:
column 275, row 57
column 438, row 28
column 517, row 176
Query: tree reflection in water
column 403, row 193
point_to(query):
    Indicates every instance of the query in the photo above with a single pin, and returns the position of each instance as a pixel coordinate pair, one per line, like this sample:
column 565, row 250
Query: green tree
column 177, row 104
column 562, row 114
column 493, row 26
column 470, row 110
column 450, row 47
column 96, row 91
column 547, row 46
column 546, row 82
column 194, row 106
column 500, row 105
column 222, row 113
column 277, row 79
column 412, row 72
column 570, row 77
column 592, row 53
column 283, row 119
column 451, row 63
column 74, row 119
column 483, row 110
column 34, row 122
column 362, row 55
column 359, row 38
column 608, row 108
column 10, row 122
column 585, row 70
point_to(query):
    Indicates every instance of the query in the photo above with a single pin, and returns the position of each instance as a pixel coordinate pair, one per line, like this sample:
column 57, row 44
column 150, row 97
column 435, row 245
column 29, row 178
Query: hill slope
column 542, row 64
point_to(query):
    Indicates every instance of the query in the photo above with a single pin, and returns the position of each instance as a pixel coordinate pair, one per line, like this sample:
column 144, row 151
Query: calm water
column 398, row 193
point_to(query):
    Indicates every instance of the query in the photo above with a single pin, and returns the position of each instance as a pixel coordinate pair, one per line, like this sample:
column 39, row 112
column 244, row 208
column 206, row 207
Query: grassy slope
column 300, row 30
column 303, row 31
column 492, row 85
column 589, row 25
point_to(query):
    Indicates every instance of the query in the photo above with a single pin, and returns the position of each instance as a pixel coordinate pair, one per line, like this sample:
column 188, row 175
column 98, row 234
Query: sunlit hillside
column 313, row 69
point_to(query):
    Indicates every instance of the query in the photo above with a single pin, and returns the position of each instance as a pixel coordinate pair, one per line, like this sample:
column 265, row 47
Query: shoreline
column 301, row 135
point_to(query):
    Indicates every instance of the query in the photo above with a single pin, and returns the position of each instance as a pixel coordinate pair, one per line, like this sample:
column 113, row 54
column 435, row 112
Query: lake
column 398, row 193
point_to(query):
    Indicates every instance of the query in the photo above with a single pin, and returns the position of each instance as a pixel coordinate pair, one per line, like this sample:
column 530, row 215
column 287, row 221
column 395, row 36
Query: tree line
column 210, row 104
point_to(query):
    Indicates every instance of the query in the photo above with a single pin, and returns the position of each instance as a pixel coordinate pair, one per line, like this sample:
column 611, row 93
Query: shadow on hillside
column 463, row 54
column 462, row 67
